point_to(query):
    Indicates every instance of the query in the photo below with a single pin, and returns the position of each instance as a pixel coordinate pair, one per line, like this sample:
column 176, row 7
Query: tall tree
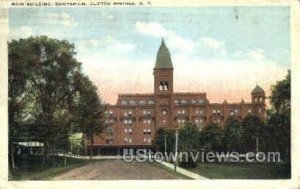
column 279, row 116
column 189, row 141
column 44, row 90
column 89, row 111
column 164, row 139
column 189, row 138
column 17, row 84
column 212, row 137
column 232, row 134
column 254, row 130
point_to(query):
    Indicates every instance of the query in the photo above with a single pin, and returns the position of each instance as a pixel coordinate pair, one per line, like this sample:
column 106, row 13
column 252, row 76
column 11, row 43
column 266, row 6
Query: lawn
column 32, row 167
column 170, row 170
column 243, row 170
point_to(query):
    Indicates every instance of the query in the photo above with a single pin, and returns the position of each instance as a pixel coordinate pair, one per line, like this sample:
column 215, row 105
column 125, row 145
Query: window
column 193, row 101
column 129, row 112
column 145, row 139
column 125, row 121
column 142, row 102
column 130, row 131
column 231, row 112
column 183, row 112
column 145, row 121
column 149, row 131
column 259, row 110
column 109, row 131
column 164, row 121
column 130, row 140
column 132, row 102
column 123, row 102
column 149, row 140
column 163, row 86
column 149, row 121
column 130, row 122
column 164, row 112
column 144, row 112
column 183, row 101
column 150, row 102
column 145, row 131
column 196, row 112
column 125, row 130
column 125, row 114
column 249, row 110
column 179, row 112
column 176, row 102
column 149, row 113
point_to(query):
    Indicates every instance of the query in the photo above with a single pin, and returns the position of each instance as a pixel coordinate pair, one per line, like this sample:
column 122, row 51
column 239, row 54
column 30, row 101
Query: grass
column 171, row 171
column 32, row 167
column 243, row 170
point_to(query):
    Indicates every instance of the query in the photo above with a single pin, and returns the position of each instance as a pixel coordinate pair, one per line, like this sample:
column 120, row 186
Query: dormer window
column 123, row 102
column 132, row 102
column 150, row 102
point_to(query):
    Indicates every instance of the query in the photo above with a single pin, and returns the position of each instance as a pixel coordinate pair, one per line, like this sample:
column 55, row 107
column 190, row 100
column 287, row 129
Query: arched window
column 163, row 86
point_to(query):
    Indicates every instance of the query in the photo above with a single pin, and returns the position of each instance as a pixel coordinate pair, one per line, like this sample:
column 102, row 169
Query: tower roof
column 257, row 89
column 163, row 58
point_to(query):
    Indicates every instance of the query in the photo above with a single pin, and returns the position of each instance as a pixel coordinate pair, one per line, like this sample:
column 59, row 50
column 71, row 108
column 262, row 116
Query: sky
column 223, row 51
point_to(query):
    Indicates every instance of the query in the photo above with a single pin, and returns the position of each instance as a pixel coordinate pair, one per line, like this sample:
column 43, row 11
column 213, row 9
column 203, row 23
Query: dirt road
column 117, row 169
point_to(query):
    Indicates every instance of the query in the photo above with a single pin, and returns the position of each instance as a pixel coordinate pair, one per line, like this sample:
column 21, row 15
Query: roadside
column 33, row 168
column 242, row 170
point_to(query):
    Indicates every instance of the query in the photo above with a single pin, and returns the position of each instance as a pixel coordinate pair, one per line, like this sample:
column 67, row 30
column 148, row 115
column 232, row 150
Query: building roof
column 163, row 58
column 257, row 89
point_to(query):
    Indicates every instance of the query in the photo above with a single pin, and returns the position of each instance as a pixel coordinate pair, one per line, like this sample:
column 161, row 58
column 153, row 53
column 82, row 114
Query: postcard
column 149, row 94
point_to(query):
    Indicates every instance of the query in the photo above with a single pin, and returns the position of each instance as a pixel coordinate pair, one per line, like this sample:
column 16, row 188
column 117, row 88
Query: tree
column 253, row 129
column 17, row 84
column 89, row 111
column 46, row 90
column 212, row 137
column 279, row 116
column 189, row 138
column 232, row 134
column 189, row 141
column 164, row 138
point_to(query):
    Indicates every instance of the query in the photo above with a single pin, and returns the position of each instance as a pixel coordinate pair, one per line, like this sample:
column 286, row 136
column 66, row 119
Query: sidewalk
column 184, row 171
column 88, row 157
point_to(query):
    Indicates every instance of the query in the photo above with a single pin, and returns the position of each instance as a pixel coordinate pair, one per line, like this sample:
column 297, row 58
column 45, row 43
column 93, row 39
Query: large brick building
column 132, row 122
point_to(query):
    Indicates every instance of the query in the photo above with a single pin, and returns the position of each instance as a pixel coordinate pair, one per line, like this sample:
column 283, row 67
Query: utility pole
column 176, row 148
column 256, row 144
column 165, row 144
